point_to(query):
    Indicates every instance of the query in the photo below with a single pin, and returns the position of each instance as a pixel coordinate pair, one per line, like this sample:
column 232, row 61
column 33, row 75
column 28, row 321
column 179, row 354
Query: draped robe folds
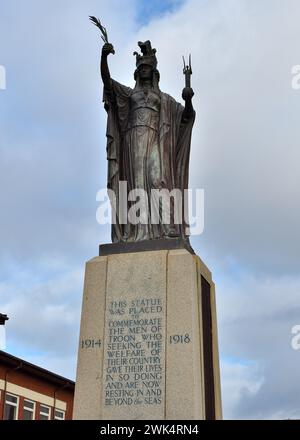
column 173, row 145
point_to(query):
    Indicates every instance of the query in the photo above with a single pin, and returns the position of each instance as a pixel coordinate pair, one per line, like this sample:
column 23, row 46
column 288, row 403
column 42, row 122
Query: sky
column 245, row 155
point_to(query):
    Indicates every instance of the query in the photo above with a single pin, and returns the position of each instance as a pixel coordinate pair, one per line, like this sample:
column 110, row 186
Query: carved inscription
column 133, row 363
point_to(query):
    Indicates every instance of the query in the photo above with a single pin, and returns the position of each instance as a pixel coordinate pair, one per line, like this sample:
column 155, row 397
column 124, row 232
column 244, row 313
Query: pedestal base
column 148, row 340
column 161, row 244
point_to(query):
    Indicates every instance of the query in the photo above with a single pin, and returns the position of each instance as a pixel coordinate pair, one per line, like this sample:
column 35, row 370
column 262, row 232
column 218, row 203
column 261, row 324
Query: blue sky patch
column 147, row 10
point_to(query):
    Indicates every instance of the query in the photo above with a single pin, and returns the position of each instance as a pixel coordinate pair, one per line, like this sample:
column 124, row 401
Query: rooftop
column 14, row 362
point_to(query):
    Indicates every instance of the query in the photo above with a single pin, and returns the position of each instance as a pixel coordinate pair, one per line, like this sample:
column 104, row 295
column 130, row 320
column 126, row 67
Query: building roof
column 14, row 362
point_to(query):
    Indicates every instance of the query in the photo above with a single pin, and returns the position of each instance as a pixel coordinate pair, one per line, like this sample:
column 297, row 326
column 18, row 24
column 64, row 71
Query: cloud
column 44, row 307
column 256, row 316
column 240, row 381
column 52, row 125
column 245, row 155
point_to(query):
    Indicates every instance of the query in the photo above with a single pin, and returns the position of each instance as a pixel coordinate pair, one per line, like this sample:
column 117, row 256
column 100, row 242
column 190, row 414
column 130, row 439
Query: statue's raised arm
column 106, row 50
column 105, row 74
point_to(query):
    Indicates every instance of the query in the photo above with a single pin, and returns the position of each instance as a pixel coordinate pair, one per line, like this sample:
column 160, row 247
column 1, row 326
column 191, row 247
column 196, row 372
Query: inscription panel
column 133, row 381
column 134, row 343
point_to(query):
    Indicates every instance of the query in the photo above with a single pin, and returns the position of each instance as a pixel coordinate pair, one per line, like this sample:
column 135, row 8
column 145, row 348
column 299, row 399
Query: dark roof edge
column 15, row 362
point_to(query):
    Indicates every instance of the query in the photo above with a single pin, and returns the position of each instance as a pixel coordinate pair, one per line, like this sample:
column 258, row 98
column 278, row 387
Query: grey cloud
column 245, row 155
column 256, row 316
column 52, row 124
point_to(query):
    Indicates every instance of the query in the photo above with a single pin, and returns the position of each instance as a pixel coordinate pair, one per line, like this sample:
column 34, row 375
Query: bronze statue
column 148, row 142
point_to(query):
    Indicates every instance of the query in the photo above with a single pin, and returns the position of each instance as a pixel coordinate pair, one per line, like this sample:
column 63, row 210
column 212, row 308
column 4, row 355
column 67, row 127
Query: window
column 11, row 407
column 44, row 412
column 28, row 410
column 59, row 415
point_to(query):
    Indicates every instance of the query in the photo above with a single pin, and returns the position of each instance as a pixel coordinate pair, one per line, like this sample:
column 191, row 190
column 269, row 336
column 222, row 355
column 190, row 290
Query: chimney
column 3, row 318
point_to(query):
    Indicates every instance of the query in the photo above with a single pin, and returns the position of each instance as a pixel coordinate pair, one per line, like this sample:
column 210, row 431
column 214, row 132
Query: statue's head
column 146, row 64
column 145, row 71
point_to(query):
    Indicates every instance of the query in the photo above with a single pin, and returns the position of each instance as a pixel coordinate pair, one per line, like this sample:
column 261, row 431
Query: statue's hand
column 187, row 94
column 107, row 49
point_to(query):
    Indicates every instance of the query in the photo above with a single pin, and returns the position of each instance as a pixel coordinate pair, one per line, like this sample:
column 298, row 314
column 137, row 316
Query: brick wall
column 39, row 385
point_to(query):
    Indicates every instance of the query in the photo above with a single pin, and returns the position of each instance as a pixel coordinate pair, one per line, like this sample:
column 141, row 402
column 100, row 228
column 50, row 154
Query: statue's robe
column 173, row 139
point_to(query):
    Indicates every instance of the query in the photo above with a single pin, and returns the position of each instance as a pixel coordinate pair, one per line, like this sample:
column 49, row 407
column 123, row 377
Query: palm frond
column 97, row 23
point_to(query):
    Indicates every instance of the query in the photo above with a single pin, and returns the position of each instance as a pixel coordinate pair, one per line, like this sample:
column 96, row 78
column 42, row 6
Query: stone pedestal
column 148, row 344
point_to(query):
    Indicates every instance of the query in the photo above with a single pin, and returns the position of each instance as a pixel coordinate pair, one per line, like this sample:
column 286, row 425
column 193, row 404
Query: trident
column 187, row 71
